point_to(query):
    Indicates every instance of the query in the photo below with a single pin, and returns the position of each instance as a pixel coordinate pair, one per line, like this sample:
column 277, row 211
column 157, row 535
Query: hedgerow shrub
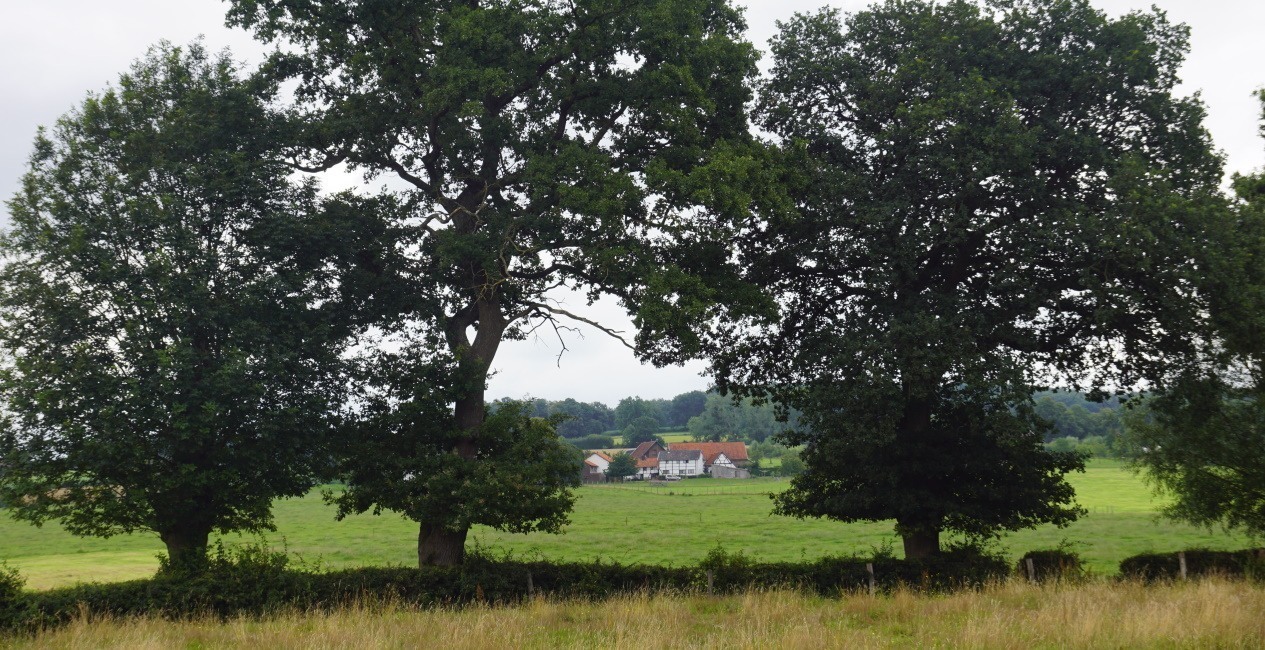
column 1051, row 564
column 956, row 568
column 257, row 581
column 12, row 603
column 246, row 579
column 1199, row 562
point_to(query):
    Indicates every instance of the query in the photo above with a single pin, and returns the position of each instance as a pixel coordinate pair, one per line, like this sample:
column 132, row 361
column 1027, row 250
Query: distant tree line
column 578, row 419
column 706, row 416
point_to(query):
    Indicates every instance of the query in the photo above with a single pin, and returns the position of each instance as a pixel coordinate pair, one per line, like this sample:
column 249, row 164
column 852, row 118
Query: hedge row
column 1199, row 562
column 253, row 581
column 256, row 582
column 1051, row 564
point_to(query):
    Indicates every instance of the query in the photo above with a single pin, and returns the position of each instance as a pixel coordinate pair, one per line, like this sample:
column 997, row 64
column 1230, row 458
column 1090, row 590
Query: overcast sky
column 55, row 51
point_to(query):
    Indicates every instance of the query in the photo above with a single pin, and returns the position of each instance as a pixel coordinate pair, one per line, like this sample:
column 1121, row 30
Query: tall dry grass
column 1210, row 613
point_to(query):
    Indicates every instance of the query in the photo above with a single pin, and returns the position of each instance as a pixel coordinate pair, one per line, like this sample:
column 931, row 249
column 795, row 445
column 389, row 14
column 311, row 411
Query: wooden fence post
column 1032, row 570
column 869, row 568
column 711, row 579
column 1181, row 563
column 531, row 589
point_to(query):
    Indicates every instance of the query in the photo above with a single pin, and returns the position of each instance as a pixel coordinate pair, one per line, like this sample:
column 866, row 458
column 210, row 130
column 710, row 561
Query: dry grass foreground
column 1210, row 613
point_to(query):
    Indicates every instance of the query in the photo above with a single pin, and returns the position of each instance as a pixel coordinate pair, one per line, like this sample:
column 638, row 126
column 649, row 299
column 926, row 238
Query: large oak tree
column 988, row 198
column 535, row 146
column 170, row 350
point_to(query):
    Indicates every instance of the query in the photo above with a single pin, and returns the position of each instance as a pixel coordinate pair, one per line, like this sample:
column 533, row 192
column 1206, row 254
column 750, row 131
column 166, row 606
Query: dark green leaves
column 986, row 199
column 171, row 361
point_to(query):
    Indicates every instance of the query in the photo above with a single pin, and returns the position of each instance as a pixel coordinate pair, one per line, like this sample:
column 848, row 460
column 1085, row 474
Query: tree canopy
column 542, row 146
column 1201, row 437
column 171, row 351
column 642, row 429
column 622, row 466
column 985, row 198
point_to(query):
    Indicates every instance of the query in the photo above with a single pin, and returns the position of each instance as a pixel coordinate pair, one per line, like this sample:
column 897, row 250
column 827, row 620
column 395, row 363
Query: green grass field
column 674, row 436
column 675, row 524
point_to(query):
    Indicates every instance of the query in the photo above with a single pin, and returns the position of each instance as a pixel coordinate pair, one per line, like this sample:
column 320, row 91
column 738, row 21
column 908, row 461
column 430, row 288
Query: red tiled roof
column 735, row 451
column 603, row 456
column 647, row 462
column 643, row 449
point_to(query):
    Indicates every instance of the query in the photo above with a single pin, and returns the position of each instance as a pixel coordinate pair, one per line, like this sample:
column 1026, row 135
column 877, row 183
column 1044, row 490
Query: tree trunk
column 438, row 546
column 921, row 543
column 186, row 547
column 919, row 527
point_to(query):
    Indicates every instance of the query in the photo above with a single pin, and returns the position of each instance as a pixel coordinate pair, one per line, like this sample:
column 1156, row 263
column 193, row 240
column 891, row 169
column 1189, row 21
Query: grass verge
column 1096, row 614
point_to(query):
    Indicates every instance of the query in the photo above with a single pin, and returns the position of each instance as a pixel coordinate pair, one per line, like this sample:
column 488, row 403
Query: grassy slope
column 1204, row 614
column 677, row 524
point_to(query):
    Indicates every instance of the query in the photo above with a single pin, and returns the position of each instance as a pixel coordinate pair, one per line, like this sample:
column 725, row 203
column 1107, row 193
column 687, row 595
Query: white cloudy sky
column 54, row 51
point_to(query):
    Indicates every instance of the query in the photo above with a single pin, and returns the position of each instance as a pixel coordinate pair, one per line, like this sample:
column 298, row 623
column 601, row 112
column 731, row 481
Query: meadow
column 676, row 524
column 1209, row 613
column 670, row 437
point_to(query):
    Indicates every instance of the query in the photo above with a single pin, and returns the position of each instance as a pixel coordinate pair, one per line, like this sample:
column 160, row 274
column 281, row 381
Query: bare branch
column 549, row 312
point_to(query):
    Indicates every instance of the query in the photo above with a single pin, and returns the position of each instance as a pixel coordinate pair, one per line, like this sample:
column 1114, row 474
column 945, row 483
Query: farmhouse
column 594, row 469
column 731, row 454
column 600, row 460
column 648, row 468
column 646, row 450
column 723, row 467
column 681, row 459
column 688, row 462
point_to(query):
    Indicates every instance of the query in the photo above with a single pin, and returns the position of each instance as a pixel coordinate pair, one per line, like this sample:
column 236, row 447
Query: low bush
column 956, row 568
column 12, row 603
column 1199, row 562
column 1051, row 564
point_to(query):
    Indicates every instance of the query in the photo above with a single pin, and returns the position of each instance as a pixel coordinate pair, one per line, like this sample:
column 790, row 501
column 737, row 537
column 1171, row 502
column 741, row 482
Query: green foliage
column 1204, row 444
column 1061, row 564
column 1199, row 562
column 12, row 603
column 1077, row 420
column 168, row 313
column 724, row 418
column 255, row 582
column 642, row 429
column 594, row 146
column 234, row 581
column 591, row 442
column 686, row 406
column 968, row 224
column 957, row 568
column 1090, row 447
column 791, row 465
column 632, row 409
column 621, row 466
column 583, row 419
column 521, row 478
column 1201, row 437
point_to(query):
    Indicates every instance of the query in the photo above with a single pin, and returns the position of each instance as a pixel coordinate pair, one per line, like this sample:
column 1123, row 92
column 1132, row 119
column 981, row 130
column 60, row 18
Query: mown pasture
column 676, row 524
